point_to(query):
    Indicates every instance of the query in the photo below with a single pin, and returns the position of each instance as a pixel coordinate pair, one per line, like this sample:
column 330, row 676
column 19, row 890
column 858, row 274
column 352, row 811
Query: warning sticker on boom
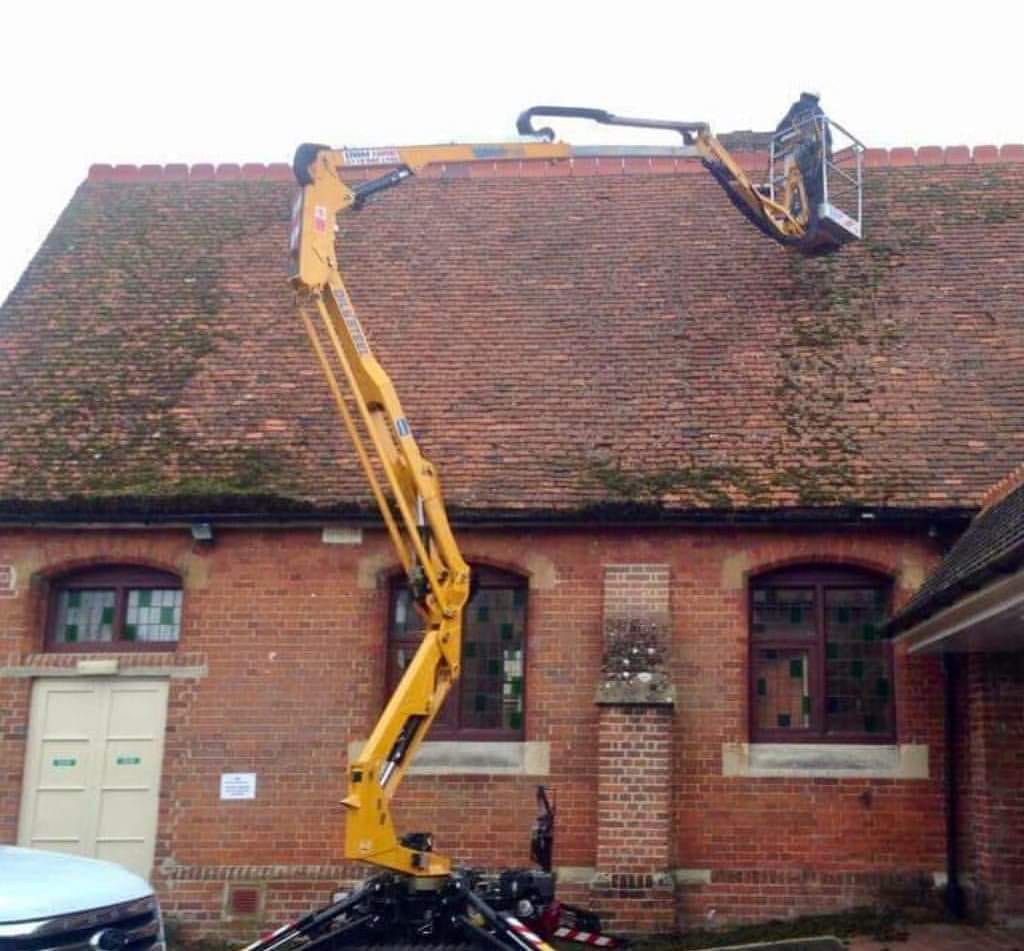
column 371, row 156
column 355, row 329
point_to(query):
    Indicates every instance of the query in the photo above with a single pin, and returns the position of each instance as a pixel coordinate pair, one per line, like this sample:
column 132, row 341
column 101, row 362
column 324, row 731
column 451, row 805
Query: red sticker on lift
column 320, row 218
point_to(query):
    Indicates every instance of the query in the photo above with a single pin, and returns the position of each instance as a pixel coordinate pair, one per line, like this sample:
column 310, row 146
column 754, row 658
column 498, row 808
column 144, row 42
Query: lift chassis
column 460, row 910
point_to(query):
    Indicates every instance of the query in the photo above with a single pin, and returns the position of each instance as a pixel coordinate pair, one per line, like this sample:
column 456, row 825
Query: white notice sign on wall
column 237, row 785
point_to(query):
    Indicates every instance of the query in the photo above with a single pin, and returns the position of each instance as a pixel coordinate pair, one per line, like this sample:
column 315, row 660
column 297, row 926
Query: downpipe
column 951, row 667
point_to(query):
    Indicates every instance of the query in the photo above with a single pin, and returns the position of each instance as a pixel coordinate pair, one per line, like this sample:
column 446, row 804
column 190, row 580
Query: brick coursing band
column 573, row 167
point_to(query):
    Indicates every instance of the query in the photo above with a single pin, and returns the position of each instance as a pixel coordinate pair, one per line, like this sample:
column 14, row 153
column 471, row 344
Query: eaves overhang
column 989, row 620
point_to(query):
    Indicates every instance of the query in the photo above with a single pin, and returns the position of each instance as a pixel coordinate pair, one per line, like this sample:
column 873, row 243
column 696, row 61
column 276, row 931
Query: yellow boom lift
column 418, row 897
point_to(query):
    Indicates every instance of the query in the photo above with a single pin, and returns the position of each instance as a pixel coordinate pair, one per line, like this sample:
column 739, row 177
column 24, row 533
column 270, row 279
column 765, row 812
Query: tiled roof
column 991, row 546
column 564, row 336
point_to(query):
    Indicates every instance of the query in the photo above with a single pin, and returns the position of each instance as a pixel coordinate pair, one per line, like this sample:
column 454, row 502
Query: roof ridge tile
column 575, row 166
column 1003, row 488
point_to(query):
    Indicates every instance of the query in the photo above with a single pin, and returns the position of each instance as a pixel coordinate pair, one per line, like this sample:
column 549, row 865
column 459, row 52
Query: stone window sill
column 825, row 760
column 500, row 758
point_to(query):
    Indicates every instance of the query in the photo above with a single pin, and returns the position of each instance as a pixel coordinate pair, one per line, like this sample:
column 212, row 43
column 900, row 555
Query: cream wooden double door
column 92, row 768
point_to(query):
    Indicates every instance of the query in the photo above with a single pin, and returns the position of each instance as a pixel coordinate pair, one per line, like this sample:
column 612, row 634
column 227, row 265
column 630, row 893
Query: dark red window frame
column 447, row 726
column 820, row 579
column 120, row 579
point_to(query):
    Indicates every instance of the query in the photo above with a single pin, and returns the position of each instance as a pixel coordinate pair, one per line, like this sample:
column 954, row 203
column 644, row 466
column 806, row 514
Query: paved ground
column 947, row 938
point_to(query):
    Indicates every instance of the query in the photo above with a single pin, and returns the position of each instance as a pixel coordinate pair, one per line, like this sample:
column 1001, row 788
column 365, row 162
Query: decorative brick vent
column 243, row 901
column 633, row 666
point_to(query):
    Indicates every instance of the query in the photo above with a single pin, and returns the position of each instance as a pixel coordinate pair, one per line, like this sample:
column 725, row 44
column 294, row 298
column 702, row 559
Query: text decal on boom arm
column 352, row 322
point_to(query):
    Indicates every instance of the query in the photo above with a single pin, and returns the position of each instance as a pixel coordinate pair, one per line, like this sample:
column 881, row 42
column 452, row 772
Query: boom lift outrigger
column 418, row 897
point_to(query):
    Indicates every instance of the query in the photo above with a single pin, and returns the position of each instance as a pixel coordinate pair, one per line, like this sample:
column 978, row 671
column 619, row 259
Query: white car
column 66, row 903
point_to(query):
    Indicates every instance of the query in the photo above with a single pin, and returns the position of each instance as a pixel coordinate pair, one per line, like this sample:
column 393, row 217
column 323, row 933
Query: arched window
column 486, row 702
column 114, row 608
column 820, row 670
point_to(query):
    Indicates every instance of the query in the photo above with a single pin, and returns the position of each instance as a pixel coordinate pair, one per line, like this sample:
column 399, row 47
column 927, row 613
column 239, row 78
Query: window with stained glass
column 819, row 666
column 487, row 702
column 115, row 608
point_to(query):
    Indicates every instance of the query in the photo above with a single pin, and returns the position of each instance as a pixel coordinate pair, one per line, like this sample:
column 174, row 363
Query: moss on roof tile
column 559, row 344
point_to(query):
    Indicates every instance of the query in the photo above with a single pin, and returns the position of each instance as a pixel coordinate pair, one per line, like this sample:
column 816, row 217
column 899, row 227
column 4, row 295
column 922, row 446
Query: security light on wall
column 202, row 531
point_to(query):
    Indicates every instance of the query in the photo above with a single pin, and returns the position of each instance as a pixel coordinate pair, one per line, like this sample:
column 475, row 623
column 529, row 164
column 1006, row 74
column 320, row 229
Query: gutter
column 605, row 516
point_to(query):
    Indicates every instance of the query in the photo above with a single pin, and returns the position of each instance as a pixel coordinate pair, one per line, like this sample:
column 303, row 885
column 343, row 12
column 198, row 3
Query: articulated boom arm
column 794, row 208
column 417, row 523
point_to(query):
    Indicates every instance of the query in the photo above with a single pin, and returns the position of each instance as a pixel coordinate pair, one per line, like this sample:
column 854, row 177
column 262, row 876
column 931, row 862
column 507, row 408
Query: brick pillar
column 633, row 886
column 994, row 801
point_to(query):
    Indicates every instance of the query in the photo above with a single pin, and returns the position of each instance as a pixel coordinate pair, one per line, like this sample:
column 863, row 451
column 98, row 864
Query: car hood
column 36, row 884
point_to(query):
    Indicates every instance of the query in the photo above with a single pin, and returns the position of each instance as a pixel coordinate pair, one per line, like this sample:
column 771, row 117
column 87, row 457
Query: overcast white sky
column 185, row 81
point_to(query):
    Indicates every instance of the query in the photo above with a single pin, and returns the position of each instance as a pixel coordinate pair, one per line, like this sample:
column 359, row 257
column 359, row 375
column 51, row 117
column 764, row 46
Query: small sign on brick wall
column 341, row 535
column 237, row 785
column 8, row 581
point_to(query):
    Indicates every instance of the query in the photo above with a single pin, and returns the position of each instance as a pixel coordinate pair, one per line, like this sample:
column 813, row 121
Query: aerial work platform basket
column 831, row 163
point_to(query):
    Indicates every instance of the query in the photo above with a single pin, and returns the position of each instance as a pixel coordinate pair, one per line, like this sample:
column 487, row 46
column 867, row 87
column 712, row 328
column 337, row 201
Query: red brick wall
column 794, row 844
column 634, row 819
column 290, row 632
column 992, row 783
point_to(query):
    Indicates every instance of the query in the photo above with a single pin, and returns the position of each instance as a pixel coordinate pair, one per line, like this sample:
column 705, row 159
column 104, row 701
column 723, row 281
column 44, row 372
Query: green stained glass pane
column 805, row 705
column 796, row 615
column 506, row 632
column 883, row 686
column 857, row 668
column 483, row 613
column 518, row 597
column 515, row 720
column 107, row 617
column 871, row 723
column 71, row 632
column 494, row 667
column 145, row 597
column 784, row 719
column 480, row 702
column 469, row 649
column 762, row 687
column 843, row 614
column 832, row 651
column 517, row 686
column 879, row 598
column 868, row 631
column 167, row 615
column 130, row 630
column 74, row 599
column 796, row 668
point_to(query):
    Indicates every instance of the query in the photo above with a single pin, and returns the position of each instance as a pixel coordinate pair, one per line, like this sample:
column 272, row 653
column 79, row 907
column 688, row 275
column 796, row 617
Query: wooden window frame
column 121, row 579
column 820, row 578
column 488, row 579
